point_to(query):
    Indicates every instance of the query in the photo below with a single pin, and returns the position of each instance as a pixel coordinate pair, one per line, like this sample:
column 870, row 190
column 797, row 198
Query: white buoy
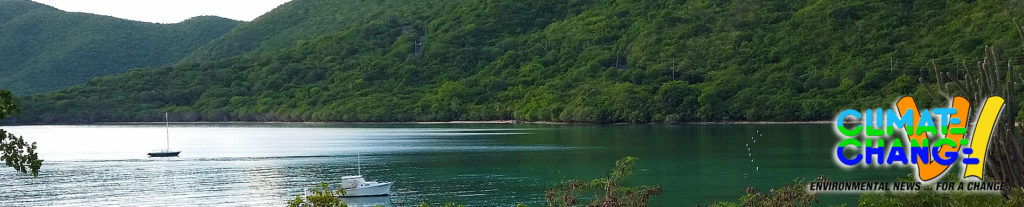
column 757, row 168
column 751, row 160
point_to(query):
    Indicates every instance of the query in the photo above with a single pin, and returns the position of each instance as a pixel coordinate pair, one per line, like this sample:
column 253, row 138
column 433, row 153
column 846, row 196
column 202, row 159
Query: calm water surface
column 480, row 165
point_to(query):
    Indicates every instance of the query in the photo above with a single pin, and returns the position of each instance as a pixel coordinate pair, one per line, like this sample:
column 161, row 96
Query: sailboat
column 167, row 151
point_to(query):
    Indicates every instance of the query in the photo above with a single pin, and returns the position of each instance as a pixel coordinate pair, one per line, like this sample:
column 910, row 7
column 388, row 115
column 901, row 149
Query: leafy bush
column 319, row 196
column 795, row 194
column 16, row 152
column 929, row 197
column 932, row 198
column 569, row 193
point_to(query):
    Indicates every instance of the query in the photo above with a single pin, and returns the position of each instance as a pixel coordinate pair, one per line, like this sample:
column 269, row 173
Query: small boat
column 356, row 186
column 167, row 151
column 163, row 153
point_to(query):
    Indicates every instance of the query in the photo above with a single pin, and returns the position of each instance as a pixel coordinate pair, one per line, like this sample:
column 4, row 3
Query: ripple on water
column 241, row 166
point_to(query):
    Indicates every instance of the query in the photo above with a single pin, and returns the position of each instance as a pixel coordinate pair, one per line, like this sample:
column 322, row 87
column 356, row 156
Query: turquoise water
column 476, row 164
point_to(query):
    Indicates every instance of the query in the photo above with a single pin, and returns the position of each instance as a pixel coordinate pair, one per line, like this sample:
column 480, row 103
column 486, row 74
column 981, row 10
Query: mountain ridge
column 43, row 48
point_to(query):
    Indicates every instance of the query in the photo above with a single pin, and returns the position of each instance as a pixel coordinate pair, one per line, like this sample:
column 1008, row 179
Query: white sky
column 168, row 11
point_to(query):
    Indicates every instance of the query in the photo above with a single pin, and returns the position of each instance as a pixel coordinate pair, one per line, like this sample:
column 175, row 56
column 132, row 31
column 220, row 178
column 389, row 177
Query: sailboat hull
column 164, row 154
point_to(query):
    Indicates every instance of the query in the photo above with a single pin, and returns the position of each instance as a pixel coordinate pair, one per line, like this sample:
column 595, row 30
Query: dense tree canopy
column 594, row 61
column 44, row 49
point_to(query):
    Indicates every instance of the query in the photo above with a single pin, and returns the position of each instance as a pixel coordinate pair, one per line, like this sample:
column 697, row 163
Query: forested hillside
column 574, row 61
column 301, row 20
column 44, row 49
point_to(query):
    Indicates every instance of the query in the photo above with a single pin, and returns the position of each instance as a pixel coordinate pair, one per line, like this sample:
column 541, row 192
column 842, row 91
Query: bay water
column 267, row 164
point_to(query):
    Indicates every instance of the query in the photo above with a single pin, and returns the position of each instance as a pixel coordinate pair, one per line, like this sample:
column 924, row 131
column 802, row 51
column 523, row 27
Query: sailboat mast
column 167, row 131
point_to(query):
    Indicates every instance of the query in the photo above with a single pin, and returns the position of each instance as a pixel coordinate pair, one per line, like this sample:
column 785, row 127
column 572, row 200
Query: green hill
column 44, row 49
column 295, row 21
column 574, row 61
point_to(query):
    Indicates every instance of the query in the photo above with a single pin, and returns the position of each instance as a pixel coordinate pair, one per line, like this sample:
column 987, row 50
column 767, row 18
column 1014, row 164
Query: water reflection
column 368, row 201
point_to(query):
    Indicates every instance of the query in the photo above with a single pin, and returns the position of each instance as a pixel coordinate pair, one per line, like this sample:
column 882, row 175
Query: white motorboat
column 356, row 186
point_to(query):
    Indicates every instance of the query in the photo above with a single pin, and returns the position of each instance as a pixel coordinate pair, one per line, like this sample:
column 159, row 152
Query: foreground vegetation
column 932, row 198
column 609, row 189
column 320, row 196
column 797, row 194
column 15, row 152
column 572, row 61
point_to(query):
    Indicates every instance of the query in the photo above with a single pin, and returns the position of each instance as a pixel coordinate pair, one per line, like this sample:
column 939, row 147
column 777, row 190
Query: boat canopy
column 349, row 182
